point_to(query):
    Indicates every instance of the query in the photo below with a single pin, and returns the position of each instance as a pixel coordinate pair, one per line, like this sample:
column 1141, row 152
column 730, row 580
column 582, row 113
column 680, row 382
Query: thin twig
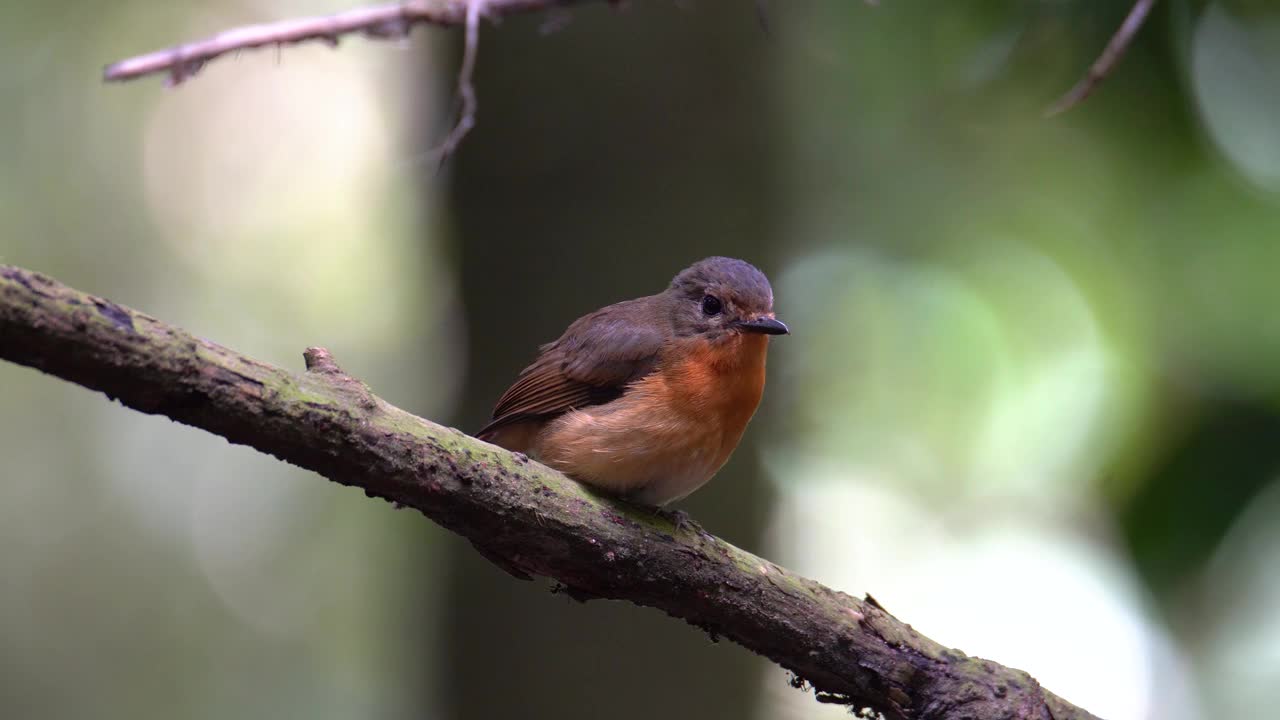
column 389, row 21
column 1107, row 61
column 466, row 87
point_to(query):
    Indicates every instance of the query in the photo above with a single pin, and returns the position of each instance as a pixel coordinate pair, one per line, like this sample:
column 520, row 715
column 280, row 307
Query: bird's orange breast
column 718, row 383
column 671, row 431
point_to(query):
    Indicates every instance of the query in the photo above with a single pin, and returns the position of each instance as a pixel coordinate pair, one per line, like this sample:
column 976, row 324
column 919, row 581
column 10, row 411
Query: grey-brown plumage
column 647, row 397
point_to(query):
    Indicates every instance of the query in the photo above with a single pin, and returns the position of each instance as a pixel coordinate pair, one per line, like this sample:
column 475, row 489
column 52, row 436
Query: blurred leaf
column 1235, row 61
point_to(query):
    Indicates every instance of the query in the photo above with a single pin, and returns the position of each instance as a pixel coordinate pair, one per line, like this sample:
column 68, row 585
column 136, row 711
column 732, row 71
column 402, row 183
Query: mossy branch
column 529, row 519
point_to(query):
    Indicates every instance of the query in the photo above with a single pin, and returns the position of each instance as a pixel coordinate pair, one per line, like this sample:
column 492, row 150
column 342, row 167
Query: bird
column 646, row 399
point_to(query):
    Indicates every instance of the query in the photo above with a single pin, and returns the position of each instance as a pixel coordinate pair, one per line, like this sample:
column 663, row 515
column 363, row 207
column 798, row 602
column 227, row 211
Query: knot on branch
column 320, row 362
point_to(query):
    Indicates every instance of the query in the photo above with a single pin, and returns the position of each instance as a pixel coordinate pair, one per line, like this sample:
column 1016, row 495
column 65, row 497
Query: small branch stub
column 319, row 360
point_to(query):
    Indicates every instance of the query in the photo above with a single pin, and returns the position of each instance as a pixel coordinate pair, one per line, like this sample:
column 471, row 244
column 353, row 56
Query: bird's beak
column 764, row 325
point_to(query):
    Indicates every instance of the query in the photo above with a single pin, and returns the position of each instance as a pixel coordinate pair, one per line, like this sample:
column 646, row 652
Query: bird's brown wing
column 592, row 363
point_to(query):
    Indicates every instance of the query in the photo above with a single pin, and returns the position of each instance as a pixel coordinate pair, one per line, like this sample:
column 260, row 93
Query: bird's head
column 721, row 297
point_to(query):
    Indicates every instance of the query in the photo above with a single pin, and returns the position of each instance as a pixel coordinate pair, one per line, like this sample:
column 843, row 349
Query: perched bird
column 647, row 398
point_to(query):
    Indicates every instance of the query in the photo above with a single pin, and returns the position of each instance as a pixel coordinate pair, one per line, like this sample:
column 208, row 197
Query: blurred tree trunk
column 608, row 155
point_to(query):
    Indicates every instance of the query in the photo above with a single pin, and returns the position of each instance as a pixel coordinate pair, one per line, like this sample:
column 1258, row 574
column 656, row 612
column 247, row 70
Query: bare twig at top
column 466, row 88
column 389, row 21
column 1107, row 61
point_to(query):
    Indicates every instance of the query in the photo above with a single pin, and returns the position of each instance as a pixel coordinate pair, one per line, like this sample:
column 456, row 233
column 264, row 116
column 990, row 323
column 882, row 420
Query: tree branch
column 390, row 21
column 528, row 518
column 466, row 88
column 393, row 20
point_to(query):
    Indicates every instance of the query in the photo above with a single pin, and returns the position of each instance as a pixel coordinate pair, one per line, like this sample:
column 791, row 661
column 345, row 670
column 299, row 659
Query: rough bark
column 526, row 517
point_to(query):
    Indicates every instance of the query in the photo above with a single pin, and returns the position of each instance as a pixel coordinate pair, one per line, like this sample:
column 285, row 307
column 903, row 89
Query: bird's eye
column 711, row 305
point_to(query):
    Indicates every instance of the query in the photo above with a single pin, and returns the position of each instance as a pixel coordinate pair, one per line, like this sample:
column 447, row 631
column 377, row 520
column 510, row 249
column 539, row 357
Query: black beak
column 765, row 326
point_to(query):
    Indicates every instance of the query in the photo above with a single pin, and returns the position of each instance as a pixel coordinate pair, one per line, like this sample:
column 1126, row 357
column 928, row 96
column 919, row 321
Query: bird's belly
column 624, row 449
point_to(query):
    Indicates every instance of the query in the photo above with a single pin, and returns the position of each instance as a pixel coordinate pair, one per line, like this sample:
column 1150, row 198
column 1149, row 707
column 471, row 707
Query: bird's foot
column 680, row 519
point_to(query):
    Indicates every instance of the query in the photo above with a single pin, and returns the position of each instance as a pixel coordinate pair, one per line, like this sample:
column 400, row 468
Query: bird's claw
column 681, row 520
